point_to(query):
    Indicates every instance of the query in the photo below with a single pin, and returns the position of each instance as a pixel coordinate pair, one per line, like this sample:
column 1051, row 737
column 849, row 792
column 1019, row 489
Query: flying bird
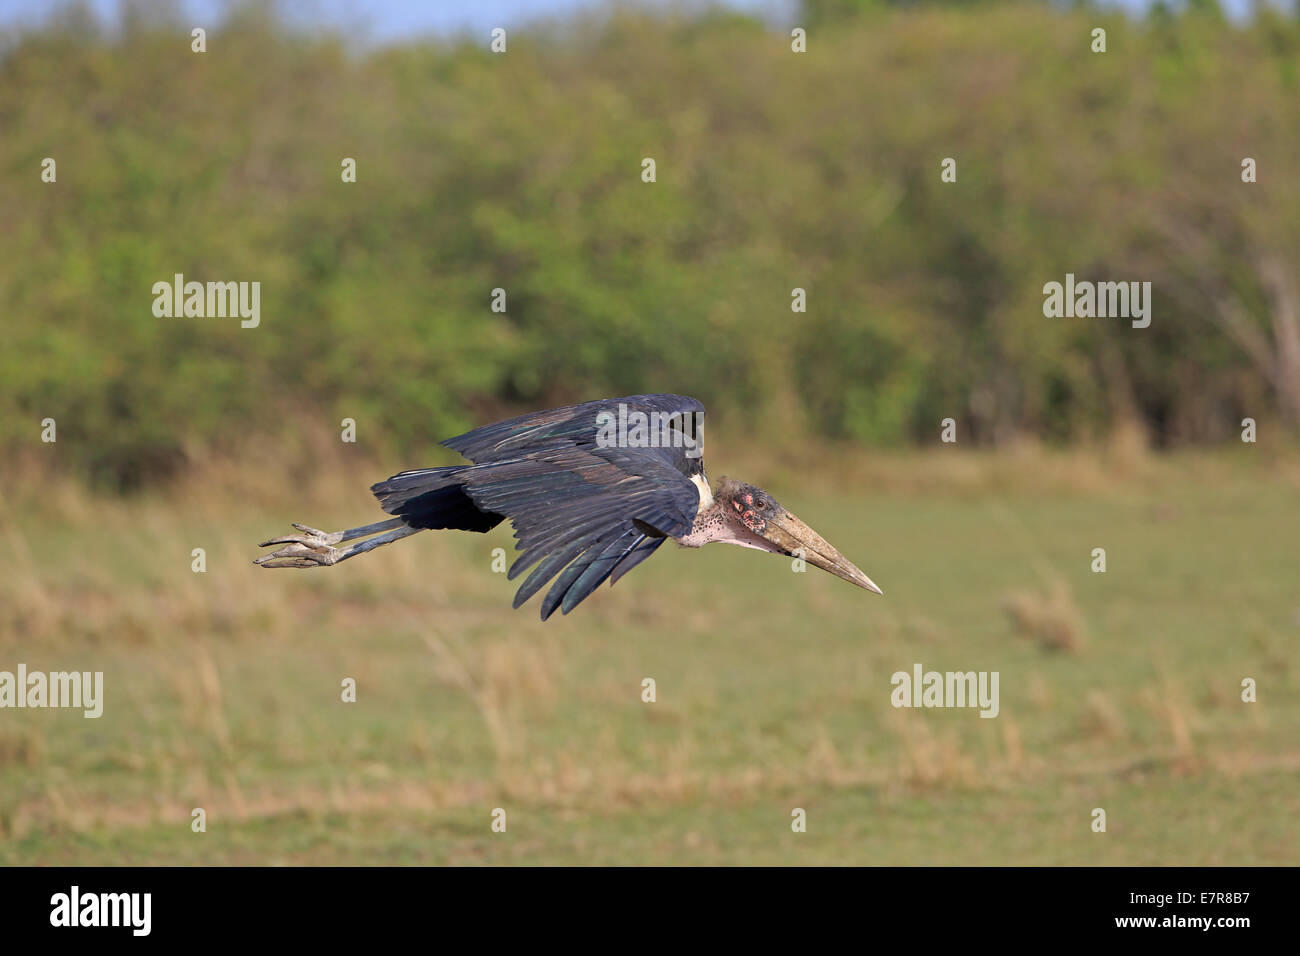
column 592, row 490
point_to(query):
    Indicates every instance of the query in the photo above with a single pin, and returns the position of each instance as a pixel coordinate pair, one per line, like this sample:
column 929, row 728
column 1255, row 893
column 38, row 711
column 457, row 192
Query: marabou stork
column 592, row 490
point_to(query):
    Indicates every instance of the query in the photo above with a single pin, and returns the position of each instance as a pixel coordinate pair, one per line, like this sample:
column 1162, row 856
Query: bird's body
column 592, row 490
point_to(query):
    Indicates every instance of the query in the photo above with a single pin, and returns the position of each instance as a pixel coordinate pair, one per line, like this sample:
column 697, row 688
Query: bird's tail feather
column 433, row 498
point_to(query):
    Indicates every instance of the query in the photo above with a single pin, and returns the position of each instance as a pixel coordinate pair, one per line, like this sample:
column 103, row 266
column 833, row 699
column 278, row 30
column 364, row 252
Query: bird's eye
column 760, row 502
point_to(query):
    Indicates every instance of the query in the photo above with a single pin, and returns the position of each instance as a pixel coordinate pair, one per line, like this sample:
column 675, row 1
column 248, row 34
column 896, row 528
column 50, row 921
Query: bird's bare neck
column 715, row 524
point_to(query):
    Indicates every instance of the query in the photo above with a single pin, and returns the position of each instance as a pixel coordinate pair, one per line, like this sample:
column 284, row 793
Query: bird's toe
column 298, row 554
column 319, row 537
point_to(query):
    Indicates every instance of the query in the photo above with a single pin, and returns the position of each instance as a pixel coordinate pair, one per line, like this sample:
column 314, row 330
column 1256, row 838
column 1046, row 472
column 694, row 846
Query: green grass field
column 1119, row 690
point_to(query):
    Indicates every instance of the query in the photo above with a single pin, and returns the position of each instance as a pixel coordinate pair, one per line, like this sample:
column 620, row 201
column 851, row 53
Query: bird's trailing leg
column 315, row 549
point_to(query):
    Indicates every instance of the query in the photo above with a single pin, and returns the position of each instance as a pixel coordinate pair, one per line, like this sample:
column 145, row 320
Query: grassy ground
column 1118, row 690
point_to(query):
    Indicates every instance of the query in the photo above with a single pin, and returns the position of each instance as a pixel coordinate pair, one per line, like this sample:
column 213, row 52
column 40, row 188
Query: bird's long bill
column 794, row 537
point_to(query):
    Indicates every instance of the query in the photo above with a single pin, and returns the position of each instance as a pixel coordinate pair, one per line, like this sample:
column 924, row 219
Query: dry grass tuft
column 1051, row 618
column 509, row 681
column 1170, row 705
column 1101, row 718
column 930, row 760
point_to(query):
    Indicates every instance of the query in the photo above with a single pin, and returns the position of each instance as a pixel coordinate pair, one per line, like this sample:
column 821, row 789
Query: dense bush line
column 775, row 170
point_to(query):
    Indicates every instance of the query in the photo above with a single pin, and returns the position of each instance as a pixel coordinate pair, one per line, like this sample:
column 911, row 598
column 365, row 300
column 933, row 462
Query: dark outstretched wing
column 587, row 502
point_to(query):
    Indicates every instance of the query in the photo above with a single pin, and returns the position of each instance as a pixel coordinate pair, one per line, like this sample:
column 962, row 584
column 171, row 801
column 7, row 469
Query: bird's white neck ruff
column 706, row 494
